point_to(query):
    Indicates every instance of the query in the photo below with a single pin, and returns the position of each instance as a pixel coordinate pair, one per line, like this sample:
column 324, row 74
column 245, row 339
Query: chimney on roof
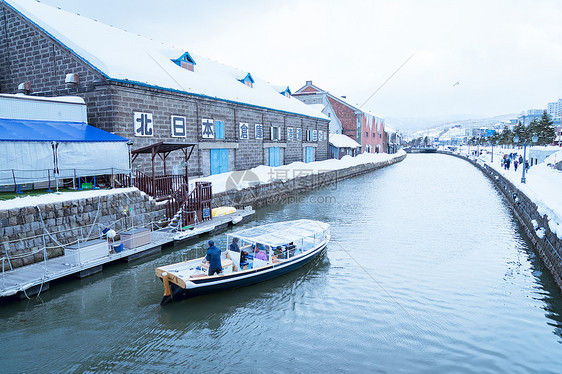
column 309, row 83
column 344, row 97
column 25, row 87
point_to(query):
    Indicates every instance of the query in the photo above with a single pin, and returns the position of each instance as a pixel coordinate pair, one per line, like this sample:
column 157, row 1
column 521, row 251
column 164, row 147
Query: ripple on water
column 426, row 272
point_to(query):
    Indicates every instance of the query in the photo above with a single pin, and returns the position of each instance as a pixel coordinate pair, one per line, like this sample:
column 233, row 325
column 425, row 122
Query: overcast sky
column 506, row 55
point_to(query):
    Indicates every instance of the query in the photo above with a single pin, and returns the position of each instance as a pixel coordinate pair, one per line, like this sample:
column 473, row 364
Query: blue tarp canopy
column 46, row 131
column 37, row 150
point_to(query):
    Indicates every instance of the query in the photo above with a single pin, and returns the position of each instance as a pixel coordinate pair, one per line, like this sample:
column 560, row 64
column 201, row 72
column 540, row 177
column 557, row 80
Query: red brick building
column 345, row 118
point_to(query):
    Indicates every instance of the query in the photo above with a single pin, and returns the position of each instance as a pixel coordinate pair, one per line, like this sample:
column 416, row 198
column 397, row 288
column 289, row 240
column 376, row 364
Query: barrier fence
column 14, row 180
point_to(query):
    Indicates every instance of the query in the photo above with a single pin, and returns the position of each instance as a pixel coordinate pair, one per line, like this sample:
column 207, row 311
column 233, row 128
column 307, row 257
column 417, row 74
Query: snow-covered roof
column 319, row 107
column 344, row 100
column 389, row 129
column 343, row 141
column 282, row 89
column 126, row 57
column 60, row 99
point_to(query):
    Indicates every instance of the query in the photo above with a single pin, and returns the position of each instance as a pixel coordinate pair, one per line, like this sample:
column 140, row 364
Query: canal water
column 427, row 271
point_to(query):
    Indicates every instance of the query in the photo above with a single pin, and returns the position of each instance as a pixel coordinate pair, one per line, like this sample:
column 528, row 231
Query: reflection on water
column 427, row 271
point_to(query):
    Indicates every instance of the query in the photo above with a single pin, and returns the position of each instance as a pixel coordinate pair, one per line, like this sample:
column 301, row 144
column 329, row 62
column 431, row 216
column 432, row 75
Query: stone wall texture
column 282, row 192
column 24, row 232
column 549, row 247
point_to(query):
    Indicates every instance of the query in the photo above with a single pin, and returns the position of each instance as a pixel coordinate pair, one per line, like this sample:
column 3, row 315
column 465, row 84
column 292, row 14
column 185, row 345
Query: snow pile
column 20, row 202
column 267, row 174
column 554, row 158
column 543, row 182
column 221, row 182
column 555, row 228
column 540, row 233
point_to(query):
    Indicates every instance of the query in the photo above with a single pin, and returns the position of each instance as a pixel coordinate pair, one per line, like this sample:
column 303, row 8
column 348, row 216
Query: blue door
column 309, row 154
column 274, row 156
column 219, row 161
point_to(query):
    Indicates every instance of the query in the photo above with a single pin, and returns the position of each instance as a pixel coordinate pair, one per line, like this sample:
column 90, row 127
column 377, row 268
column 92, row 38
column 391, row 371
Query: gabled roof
column 125, row 57
column 309, row 88
column 185, row 57
column 248, row 77
column 14, row 130
column 283, row 89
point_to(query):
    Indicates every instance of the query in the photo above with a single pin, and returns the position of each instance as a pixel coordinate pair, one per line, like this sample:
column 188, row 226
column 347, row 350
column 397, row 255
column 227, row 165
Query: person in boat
column 235, row 248
column 260, row 255
column 213, row 257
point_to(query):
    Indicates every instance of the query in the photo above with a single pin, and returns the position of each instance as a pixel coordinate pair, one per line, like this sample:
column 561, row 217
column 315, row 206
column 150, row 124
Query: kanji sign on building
column 299, row 133
column 178, row 127
column 320, row 135
column 314, row 135
column 243, row 130
column 207, row 129
column 290, row 132
column 143, row 124
column 259, row 131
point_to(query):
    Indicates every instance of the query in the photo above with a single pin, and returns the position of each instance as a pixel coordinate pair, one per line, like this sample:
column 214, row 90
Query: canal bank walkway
column 543, row 185
column 536, row 203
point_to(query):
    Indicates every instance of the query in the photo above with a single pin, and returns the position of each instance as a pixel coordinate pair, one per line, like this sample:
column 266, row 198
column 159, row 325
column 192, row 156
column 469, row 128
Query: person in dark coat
column 235, row 248
column 213, row 257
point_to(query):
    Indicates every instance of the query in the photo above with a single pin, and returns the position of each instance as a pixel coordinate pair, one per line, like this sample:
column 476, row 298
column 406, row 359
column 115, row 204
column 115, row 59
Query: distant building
column 345, row 118
column 530, row 115
column 393, row 140
column 342, row 145
column 558, row 138
column 555, row 108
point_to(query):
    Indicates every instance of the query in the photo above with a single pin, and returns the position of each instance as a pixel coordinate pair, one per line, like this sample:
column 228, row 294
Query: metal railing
column 16, row 180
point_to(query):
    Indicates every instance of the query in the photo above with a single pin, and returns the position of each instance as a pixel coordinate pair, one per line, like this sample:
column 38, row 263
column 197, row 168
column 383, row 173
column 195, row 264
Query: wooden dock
column 33, row 279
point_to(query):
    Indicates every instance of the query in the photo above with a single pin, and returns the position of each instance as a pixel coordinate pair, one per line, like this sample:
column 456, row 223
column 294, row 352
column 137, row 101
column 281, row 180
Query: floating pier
column 92, row 255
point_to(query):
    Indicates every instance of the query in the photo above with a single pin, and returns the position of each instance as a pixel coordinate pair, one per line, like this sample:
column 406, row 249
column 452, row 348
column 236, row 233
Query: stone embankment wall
column 279, row 191
column 25, row 232
column 549, row 247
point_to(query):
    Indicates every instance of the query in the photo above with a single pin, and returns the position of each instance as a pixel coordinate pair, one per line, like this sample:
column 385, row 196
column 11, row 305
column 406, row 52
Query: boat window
column 308, row 243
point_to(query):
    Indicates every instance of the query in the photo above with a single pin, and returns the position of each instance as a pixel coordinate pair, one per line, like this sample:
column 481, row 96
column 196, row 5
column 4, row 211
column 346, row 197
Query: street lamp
column 497, row 142
column 534, row 139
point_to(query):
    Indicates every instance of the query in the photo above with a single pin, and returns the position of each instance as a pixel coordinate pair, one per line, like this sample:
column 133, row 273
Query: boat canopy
column 281, row 233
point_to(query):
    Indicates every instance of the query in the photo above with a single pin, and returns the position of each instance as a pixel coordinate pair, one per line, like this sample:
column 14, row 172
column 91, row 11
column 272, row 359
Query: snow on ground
column 543, row 183
column 221, row 182
column 267, row 174
column 20, row 202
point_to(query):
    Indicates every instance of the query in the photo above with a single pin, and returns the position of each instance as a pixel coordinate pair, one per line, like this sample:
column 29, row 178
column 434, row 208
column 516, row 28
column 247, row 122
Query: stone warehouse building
column 361, row 126
column 149, row 92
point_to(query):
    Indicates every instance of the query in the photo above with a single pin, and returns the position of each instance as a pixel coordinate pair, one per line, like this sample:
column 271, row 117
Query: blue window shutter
column 215, row 164
column 219, row 130
column 224, row 161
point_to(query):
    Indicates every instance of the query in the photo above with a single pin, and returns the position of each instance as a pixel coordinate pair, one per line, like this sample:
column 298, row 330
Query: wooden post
column 166, row 281
column 153, row 179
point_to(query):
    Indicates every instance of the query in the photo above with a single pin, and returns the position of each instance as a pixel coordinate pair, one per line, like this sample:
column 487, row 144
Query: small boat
column 264, row 252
